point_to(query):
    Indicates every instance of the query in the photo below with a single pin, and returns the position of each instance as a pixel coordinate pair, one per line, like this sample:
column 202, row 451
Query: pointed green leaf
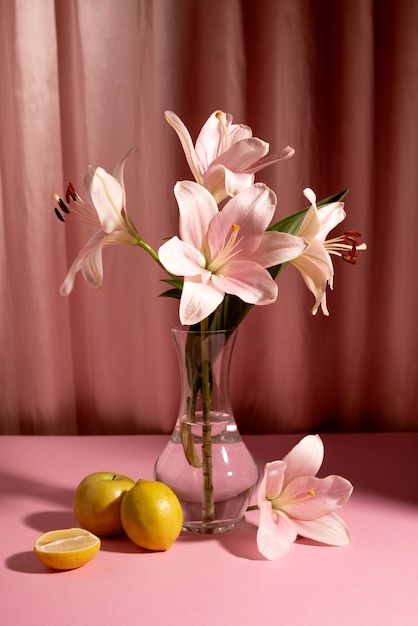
column 291, row 223
column 171, row 293
column 174, row 282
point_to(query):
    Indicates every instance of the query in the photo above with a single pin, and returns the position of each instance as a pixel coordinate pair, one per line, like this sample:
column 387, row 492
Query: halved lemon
column 66, row 549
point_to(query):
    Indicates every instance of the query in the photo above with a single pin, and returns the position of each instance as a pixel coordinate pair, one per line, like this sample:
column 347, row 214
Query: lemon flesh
column 66, row 549
column 151, row 515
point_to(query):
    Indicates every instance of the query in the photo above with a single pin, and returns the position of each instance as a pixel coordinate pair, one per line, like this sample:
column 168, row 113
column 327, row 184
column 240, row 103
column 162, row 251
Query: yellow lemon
column 151, row 515
column 66, row 549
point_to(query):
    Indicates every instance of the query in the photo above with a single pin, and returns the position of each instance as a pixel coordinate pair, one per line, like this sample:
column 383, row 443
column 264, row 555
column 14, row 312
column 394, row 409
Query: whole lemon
column 151, row 515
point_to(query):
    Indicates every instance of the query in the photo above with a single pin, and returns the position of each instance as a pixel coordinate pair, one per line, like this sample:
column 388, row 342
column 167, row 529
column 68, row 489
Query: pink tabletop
column 212, row 580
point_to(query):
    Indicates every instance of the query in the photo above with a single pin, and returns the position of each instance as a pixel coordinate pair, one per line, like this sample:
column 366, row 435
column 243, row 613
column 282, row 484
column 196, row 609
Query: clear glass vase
column 205, row 462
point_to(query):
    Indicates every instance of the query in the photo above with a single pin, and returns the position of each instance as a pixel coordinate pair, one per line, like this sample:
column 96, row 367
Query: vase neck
column 204, row 360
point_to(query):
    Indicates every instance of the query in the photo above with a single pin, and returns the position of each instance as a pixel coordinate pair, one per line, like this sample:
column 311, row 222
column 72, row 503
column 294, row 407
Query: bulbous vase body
column 206, row 462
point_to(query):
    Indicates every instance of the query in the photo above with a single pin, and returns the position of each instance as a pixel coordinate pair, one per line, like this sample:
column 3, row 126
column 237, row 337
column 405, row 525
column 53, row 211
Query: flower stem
column 145, row 246
column 208, row 505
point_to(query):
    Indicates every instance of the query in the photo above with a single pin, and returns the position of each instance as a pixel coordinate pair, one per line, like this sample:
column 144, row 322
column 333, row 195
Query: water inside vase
column 234, row 472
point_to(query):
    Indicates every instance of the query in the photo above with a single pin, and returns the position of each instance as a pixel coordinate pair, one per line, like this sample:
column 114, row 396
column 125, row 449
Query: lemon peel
column 151, row 515
column 67, row 548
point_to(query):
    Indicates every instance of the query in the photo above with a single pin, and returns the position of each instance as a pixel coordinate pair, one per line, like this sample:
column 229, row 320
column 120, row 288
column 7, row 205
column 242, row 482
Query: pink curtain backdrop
column 82, row 82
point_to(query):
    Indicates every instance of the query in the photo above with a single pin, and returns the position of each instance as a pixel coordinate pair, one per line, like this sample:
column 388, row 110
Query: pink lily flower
column 293, row 501
column 225, row 251
column 107, row 212
column 315, row 263
column 226, row 155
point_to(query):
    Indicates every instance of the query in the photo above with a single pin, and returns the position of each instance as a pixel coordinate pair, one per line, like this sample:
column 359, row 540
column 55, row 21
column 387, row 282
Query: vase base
column 210, row 528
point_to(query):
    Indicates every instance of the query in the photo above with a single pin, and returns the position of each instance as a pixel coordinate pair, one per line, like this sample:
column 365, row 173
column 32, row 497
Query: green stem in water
column 208, row 505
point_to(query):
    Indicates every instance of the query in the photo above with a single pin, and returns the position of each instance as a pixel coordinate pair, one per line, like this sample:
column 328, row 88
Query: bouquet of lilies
column 224, row 260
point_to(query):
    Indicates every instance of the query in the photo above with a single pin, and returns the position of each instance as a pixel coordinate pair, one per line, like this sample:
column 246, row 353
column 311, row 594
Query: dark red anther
column 64, row 208
column 350, row 257
column 70, row 194
column 350, row 237
column 58, row 214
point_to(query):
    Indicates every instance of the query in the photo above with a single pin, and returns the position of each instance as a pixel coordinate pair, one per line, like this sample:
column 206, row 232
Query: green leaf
column 291, row 223
column 171, row 293
column 174, row 282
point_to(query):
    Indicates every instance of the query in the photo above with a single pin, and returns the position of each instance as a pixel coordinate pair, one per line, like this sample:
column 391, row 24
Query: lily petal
column 89, row 259
column 316, row 268
column 307, row 497
column 272, row 482
column 92, row 249
column 247, row 280
column 235, row 183
column 181, row 258
column 222, row 183
column 276, row 248
column 329, row 217
column 305, row 458
column 283, row 155
column 198, row 300
column 243, row 154
column 251, row 210
column 107, row 196
column 310, row 195
column 197, row 207
column 118, row 172
column 276, row 532
column 330, row 529
column 213, row 138
column 310, row 225
column 187, row 144
column 237, row 132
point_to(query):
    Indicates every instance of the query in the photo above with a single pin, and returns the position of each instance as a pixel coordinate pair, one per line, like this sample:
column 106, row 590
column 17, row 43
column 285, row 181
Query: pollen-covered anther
column 312, row 493
column 235, row 228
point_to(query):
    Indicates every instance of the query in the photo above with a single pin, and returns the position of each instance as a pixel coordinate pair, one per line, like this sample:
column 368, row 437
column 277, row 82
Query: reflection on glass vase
column 205, row 461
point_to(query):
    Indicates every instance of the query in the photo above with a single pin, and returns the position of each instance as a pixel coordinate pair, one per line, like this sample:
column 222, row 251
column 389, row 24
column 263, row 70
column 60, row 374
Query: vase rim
column 186, row 330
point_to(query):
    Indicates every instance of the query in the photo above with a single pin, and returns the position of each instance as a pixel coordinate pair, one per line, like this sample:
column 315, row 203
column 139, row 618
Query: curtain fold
column 84, row 81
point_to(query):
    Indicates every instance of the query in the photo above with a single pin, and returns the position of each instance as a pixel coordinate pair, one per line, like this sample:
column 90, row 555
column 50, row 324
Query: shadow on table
column 123, row 545
column 27, row 563
column 241, row 541
column 13, row 485
column 45, row 521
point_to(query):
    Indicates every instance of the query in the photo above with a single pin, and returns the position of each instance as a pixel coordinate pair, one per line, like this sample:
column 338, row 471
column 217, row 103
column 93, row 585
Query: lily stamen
column 220, row 115
column 64, row 208
column 75, row 207
column 71, row 194
column 346, row 246
column 58, row 214
column 228, row 251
